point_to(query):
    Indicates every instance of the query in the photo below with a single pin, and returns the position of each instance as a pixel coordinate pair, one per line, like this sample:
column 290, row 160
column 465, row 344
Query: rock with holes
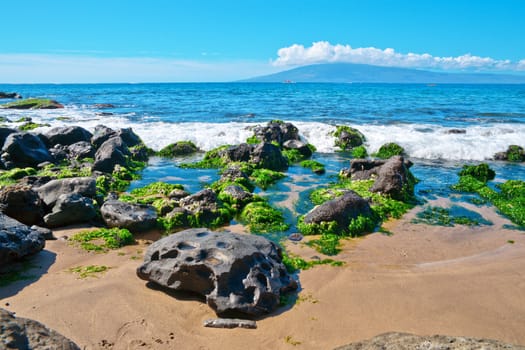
column 239, row 275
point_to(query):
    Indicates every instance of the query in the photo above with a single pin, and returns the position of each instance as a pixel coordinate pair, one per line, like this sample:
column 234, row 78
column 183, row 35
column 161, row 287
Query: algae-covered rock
column 514, row 153
column 33, row 103
column 347, row 137
column 389, row 150
column 341, row 210
column 181, row 148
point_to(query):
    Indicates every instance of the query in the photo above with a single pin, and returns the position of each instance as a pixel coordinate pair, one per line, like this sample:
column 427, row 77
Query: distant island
column 363, row 73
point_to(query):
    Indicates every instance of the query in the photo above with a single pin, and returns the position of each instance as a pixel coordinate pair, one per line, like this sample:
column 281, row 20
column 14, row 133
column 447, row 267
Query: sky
column 64, row 41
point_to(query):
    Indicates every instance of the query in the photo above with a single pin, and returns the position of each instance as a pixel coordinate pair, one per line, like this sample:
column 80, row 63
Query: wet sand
column 422, row 279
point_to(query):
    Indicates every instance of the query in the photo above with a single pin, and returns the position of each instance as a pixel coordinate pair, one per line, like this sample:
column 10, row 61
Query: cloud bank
column 325, row 52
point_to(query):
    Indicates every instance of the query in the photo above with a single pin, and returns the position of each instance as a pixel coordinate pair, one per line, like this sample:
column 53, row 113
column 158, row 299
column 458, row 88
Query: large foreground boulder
column 342, row 210
column 17, row 240
column 25, row 334
column 405, row 341
column 236, row 273
column 134, row 217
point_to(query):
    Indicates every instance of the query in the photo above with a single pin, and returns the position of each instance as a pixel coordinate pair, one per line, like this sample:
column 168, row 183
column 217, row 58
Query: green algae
column 315, row 166
column 389, row 150
column 294, row 263
column 103, row 239
column 213, row 159
column 261, row 217
column 359, row 152
column 89, row 271
column 455, row 215
column 32, row 103
column 264, row 178
column 352, row 137
column 176, row 149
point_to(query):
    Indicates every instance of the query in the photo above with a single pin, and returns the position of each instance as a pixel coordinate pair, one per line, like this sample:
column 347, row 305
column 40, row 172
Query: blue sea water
column 418, row 117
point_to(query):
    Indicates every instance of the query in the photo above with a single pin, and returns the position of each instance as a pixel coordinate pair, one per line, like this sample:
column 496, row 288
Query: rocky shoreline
column 69, row 175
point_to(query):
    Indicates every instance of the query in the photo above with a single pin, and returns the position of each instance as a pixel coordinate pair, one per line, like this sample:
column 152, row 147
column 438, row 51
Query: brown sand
column 422, row 279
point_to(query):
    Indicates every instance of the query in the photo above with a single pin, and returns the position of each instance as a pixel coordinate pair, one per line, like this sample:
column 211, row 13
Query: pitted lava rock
column 237, row 274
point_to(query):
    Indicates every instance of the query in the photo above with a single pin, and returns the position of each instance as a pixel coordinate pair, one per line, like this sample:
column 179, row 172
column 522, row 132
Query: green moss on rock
column 181, row 148
column 262, row 217
column 313, row 165
column 264, row 178
column 359, row 152
column 481, row 172
column 33, row 103
column 389, row 150
column 347, row 137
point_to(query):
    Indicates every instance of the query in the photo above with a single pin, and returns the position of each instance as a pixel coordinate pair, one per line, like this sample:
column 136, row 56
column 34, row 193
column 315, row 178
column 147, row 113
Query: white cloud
column 59, row 68
column 325, row 52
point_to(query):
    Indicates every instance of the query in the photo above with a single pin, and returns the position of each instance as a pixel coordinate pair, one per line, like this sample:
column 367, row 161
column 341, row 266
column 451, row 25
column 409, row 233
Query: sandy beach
column 421, row 279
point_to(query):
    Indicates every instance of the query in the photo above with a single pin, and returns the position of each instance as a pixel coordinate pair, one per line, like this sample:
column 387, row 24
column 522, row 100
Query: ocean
column 485, row 119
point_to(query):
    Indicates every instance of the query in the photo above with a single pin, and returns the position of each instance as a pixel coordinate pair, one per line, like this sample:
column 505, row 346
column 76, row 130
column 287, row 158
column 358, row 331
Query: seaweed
column 264, row 178
column 103, row 239
column 262, row 217
column 347, row 137
column 359, row 152
column 176, row 149
column 389, row 150
column 315, row 166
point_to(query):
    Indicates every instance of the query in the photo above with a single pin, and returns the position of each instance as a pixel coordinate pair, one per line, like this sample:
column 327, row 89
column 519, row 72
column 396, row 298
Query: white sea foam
column 420, row 141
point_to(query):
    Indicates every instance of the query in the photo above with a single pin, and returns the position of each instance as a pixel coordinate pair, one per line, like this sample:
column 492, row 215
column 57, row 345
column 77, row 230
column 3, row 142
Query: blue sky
column 201, row 40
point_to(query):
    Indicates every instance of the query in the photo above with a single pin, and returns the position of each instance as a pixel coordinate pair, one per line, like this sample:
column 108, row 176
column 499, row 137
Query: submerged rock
column 24, row 334
column 10, row 95
column 33, row 103
column 237, row 274
column 17, row 240
column 405, row 341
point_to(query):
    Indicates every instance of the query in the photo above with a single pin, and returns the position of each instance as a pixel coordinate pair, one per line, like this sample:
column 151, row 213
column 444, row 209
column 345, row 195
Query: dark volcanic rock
column 25, row 149
column 9, row 95
column 101, row 134
column 239, row 153
column 236, row 273
column 111, row 153
column 129, row 137
column 71, row 208
column 266, row 155
column 405, row 341
column 134, row 217
column 394, row 179
column 85, row 186
column 300, row 146
column 81, row 149
column 202, row 204
column 4, row 132
column 514, row 153
column 103, row 105
column 341, row 209
column 66, row 135
column 363, row 169
column 22, row 203
column 276, row 132
column 17, row 240
column 25, row 334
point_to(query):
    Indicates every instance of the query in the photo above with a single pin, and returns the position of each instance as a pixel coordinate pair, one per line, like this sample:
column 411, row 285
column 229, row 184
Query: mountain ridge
column 364, row 73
